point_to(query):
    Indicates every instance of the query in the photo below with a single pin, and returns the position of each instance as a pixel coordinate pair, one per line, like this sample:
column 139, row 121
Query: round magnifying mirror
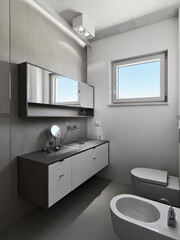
column 55, row 131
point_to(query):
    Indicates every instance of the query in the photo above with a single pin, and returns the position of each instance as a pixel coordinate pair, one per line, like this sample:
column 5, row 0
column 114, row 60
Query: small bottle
column 51, row 145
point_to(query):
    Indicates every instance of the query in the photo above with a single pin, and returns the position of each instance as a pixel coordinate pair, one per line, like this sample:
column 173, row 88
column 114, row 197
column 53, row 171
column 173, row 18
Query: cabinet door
column 82, row 167
column 100, row 162
column 59, row 176
column 59, row 187
column 81, row 158
column 81, row 174
column 100, row 158
column 86, row 95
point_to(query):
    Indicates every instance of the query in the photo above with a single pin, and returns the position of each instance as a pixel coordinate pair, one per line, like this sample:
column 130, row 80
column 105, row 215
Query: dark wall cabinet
column 43, row 93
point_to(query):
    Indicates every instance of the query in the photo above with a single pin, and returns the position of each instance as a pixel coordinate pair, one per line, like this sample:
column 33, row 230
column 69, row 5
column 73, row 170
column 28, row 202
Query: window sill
column 138, row 104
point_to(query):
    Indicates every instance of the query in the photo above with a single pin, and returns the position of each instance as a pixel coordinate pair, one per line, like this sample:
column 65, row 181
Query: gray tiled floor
column 82, row 215
column 5, row 234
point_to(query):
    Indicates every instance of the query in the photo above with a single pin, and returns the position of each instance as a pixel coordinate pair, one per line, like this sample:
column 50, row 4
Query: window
column 139, row 79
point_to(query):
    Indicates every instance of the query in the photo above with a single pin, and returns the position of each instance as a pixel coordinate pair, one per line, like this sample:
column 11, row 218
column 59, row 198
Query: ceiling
column 112, row 17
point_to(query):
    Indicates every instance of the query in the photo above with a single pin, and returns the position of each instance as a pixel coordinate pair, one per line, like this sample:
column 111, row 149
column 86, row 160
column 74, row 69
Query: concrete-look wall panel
column 179, row 84
column 5, row 172
column 37, row 39
column 4, row 119
column 4, row 57
column 140, row 136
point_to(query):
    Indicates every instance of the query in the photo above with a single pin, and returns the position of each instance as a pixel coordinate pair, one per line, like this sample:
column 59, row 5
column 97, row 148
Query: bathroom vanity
column 44, row 178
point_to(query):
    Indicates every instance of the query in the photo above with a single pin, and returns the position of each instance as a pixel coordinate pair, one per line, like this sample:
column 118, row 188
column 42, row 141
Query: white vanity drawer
column 101, row 149
column 81, row 158
column 58, row 188
column 58, row 168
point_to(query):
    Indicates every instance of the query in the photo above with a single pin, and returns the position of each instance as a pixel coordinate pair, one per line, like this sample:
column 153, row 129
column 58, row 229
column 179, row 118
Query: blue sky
column 140, row 80
column 67, row 90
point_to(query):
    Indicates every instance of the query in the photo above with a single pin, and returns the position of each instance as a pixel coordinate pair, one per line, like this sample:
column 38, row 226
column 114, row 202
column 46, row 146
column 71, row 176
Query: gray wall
column 179, row 86
column 4, row 116
column 38, row 40
column 140, row 136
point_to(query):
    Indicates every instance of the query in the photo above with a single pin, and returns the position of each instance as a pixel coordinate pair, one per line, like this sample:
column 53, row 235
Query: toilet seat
column 150, row 175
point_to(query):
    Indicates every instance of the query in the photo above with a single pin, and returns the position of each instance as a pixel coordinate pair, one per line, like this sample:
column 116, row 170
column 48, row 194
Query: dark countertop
column 64, row 152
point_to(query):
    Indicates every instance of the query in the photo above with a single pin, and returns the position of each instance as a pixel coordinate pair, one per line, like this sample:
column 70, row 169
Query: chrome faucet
column 171, row 220
column 72, row 127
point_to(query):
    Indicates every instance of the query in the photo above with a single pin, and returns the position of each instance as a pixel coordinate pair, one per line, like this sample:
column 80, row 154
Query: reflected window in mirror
column 64, row 91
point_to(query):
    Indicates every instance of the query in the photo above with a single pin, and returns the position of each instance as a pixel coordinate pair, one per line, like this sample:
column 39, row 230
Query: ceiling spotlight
column 81, row 29
column 83, row 26
column 86, row 34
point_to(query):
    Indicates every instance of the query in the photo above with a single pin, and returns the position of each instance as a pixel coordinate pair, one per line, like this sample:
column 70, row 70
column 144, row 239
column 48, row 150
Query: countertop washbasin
column 80, row 144
column 65, row 151
column 74, row 146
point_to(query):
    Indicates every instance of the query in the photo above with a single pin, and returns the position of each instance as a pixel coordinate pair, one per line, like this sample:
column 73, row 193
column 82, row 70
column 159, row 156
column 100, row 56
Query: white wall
column 140, row 136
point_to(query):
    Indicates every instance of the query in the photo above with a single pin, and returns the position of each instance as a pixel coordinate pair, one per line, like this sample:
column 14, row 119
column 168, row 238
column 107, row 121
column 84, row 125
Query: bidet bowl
column 135, row 217
column 138, row 209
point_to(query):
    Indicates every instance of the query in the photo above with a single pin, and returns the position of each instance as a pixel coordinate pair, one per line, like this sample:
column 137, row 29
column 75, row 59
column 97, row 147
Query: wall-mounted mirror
column 46, row 87
column 38, row 86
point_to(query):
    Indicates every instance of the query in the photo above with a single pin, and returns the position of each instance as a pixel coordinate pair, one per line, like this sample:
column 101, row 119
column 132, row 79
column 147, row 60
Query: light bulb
column 86, row 34
column 81, row 29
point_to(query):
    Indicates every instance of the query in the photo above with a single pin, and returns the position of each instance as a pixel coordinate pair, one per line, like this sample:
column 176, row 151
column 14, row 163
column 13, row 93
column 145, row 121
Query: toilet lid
column 150, row 175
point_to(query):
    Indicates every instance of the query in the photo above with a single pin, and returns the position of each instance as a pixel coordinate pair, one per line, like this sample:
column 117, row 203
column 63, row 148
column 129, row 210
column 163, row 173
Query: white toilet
column 155, row 184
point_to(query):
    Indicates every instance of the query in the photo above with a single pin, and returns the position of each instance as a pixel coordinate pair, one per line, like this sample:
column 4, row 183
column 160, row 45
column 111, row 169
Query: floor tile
column 83, row 214
column 94, row 223
column 113, row 189
column 5, row 234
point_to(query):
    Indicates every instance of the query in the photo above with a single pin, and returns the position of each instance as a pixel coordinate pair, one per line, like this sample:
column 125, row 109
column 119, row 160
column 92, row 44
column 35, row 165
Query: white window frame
column 137, row 60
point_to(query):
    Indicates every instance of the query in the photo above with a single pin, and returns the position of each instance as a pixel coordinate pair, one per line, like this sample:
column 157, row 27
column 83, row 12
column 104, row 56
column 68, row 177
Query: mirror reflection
column 48, row 88
column 64, row 90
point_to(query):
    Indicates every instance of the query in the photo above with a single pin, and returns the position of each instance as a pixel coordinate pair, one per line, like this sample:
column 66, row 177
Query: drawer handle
column 94, row 158
column 62, row 175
